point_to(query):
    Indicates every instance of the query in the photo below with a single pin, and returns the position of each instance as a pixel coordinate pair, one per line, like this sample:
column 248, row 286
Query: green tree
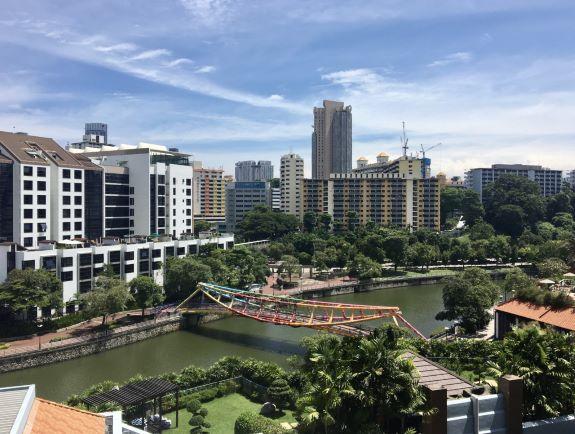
column 395, row 248
column 280, row 393
column 309, row 221
column 363, row 267
column 457, row 201
column 553, row 268
column 461, row 251
column 516, row 280
column 31, row 288
column 510, row 220
column 250, row 265
column 201, row 226
column 324, row 220
column 422, row 254
column 372, row 246
column 481, row 231
column 146, row 292
column 183, row 275
column 545, row 361
column 467, row 297
column 263, row 223
column 290, row 265
column 109, row 295
column 559, row 204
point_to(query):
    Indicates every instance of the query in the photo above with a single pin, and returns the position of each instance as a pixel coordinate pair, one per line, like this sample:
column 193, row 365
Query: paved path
column 305, row 284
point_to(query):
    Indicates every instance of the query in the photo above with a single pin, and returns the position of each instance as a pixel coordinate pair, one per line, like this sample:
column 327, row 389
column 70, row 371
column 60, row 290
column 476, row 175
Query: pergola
column 138, row 393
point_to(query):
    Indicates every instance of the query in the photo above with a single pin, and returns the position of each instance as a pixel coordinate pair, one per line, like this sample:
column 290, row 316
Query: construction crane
column 424, row 150
column 404, row 141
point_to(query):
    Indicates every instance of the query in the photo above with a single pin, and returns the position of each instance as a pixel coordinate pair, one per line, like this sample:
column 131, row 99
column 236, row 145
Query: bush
column 280, row 393
column 193, row 405
column 250, row 423
column 207, row 395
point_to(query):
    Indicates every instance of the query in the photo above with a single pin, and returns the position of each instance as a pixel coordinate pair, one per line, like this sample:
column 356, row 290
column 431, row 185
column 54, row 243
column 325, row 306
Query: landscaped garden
column 222, row 414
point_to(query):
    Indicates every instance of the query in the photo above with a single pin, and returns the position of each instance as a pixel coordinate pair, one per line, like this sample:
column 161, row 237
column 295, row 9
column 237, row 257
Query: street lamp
column 39, row 325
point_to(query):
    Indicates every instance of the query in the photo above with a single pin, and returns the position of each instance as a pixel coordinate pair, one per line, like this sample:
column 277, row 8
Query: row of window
column 77, row 187
column 66, row 174
column 40, row 185
column 66, row 226
column 29, row 171
column 29, row 227
column 29, row 213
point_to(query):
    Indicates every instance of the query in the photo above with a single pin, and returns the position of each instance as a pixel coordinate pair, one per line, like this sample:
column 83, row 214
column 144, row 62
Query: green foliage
column 481, row 231
column 553, row 268
column 194, row 405
column 290, row 266
column 422, row 254
column 201, row 226
column 263, row 223
column 467, row 298
column 146, row 292
column 27, row 288
column 280, row 393
column 545, row 361
column 108, row 296
column 250, row 423
column 457, row 201
column 516, row 280
column 363, row 268
column 183, row 275
column 543, row 297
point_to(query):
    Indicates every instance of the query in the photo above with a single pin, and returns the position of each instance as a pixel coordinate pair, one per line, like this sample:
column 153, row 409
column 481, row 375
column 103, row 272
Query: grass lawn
column 222, row 414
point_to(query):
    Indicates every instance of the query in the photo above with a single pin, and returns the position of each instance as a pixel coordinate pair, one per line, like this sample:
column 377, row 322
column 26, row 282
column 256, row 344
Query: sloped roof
column 51, row 417
column 562, row 318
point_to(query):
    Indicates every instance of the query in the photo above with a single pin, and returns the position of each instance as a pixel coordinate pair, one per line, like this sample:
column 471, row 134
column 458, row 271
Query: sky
column 229, row 80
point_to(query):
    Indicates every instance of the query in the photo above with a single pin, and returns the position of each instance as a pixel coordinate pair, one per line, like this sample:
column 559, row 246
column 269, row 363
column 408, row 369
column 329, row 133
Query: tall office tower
column 98, row 131
column 381, row 198
column 242, row 197
column 331, row 139
column 291, row 176
column 209, row 193
column 247, row 171
column 160, row 187
column 54, row 194
column 549, row 181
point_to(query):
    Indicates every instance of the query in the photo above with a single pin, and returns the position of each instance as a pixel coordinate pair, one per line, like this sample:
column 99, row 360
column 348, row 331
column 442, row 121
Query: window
column 161, row 222
column 169, row 251
column 28, row 185
column 188, row 192
column 28, row 213
column 144, row 266
column 99, row 258
column 66, row 276
column 78, row 213
column 144, row 253
column 77, row 174
column 28, row 264
column 28, row 227
column 65, row 173
column 85, row 259
column 77, row 200
column 41, row 199
column 128, row 268
column 78, row 187
column 28, row 170
column 42, row 227
column 66, row 226
column 188, row 222
column 28, row 199
column 114, row 256
column 161, row 179
column 156, row 253
column 49, row 262
column 188, row 181
column 78, row 226
column 128, row 256
column 66, row 212
column 41, row 172
column 41, row 213
column 67, row 261
column 161, row 190
column 28, row 242
column 131, row 190
column 66, row 186
column 41, row 185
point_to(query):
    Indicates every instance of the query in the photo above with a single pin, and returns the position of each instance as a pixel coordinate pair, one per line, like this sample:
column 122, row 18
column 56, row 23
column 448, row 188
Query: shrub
column 193, row 405
column 207, row 395
column 280, row 393
column 249, row 423
column 191, row 376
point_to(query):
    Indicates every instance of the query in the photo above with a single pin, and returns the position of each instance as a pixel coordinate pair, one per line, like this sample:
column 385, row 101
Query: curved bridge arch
column 340, row 318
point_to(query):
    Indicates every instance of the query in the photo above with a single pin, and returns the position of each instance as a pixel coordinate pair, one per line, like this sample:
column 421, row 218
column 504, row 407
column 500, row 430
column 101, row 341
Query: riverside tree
column 109, row 295
column 467, row 298
column 31, row 288
column 146, row 292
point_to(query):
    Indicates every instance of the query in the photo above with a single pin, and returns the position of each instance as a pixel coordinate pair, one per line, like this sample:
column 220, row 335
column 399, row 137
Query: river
column 229, row 336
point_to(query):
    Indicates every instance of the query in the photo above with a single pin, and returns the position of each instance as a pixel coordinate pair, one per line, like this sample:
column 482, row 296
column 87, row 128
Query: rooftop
column 562, row 318
column 51, row 417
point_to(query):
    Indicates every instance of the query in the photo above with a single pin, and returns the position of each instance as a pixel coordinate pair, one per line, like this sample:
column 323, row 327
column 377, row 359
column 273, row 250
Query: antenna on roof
column 404, row 140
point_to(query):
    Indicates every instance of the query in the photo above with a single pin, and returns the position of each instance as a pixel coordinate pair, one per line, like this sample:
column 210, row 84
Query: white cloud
column 459, row 57
column 125, row 46
column 178, row 62
column 276, row 97
column 208, row 12
column 205, row 69
column 151, row 54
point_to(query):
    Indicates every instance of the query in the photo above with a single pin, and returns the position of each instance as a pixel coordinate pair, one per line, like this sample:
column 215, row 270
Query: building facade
column 248, row 171
column 331, row 139
column 549, row 181
column 384, row 199
column 209, row 193
column 405, row 165
column 291, row 179
column 242, row 197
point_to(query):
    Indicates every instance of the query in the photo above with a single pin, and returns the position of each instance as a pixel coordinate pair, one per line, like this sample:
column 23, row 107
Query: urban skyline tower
column 247, row 171
column 331, row 139
column 291, row 179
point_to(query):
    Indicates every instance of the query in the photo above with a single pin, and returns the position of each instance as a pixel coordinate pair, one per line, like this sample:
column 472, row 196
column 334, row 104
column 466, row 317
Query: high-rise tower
column 331, row 139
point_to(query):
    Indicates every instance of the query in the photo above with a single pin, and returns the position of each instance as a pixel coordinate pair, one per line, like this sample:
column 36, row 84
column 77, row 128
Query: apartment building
column 291, row 176
column 381, row 198
column 159, row 187
column 406, row 165
column 248, row 171
column 242, row 197
column 549, row 180
column 331, row 139
column 209, row 193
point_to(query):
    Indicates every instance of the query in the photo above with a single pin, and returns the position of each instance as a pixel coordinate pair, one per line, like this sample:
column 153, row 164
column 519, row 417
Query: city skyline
column 493, row 82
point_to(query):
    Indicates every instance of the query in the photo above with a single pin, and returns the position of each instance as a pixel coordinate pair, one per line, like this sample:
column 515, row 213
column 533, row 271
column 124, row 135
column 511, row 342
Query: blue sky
column 226, row 80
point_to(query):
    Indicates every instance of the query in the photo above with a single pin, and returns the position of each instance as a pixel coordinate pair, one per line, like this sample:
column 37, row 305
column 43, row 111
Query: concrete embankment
column 88, row 346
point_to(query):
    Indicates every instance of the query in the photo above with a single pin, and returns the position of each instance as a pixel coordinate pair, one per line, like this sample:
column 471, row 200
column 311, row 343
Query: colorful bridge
column 339, row 318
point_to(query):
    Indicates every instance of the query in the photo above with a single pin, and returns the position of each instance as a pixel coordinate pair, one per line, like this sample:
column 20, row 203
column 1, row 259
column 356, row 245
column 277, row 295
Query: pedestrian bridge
column 340, row 318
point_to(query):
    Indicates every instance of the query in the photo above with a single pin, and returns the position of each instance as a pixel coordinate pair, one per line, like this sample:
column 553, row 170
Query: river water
column 206, row 344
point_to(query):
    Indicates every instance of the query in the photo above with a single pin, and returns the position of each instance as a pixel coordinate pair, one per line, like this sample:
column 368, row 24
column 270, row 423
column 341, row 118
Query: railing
column 41, row 346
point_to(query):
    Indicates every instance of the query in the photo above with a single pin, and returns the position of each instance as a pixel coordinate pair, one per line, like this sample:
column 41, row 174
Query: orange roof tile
column 51, row 417
column 562, row 318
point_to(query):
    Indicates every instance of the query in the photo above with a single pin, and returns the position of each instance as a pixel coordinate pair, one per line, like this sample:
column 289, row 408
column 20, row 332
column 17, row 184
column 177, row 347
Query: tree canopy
column 25, row 288
column 262, row 223
column 109, row 295
column 146, row 292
